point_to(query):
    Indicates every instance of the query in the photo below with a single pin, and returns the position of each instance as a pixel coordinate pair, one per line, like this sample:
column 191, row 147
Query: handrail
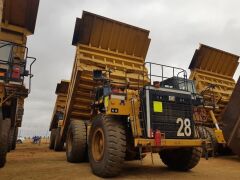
column 176, row 72
column 30, row 73
column 22, row 62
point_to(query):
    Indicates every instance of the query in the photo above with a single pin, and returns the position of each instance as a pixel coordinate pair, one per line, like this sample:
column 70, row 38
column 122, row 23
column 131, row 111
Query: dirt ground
column 38, row 162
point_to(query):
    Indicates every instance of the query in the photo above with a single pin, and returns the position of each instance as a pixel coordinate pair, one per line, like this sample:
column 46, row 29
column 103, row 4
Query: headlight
column 116, row 96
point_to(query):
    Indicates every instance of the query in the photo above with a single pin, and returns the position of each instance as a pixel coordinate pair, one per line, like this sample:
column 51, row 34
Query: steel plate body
column 231, row 120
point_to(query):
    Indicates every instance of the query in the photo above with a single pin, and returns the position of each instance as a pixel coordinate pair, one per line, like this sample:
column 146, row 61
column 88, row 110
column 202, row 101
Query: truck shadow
column 130, row 171
column 230, row 158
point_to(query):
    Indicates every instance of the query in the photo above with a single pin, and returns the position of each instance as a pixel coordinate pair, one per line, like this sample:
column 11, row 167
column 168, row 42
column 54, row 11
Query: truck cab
column 13, row 62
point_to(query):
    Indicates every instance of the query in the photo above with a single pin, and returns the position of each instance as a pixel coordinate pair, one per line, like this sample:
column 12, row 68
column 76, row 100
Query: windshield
column 5, row 51
column 190, row 86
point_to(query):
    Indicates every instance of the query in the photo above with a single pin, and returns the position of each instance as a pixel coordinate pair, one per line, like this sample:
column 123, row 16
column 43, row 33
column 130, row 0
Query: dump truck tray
column 213, row 66
column 231, row 120
column 21, row 14
column 61, row 92
column 103, row 44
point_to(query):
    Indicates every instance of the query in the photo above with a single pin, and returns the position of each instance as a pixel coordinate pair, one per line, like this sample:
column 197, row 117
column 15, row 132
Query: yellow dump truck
column 120, row 107
column 17, row 21
column 57, row 117
column 212, row 70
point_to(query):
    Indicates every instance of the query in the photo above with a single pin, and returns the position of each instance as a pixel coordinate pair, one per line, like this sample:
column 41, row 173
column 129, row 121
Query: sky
column 176, row 29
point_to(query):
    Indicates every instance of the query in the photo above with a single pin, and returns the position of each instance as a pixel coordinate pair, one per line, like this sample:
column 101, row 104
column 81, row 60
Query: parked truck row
column 118, row 107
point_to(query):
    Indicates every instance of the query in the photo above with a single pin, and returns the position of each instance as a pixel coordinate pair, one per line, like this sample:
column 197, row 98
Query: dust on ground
column 33, row 161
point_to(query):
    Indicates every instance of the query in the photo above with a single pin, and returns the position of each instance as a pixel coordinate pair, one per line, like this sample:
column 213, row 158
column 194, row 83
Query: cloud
column 177, row 27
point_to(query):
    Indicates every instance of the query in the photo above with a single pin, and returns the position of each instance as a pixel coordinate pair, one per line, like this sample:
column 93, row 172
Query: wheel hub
column 98, row 145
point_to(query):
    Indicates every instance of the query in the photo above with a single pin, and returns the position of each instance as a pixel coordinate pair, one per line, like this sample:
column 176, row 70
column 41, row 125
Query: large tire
column 208, row 134
column 15, row 135
column 10, row 138
column 107, row 146
column 4, row 131
column 213, row 140
column 182, row 159
column 76, row 144
column 52, row 138
column 58, row 145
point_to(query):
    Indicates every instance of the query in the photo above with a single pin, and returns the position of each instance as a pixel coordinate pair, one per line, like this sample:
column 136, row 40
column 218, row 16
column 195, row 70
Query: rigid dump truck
column 212, row 70
column 120, row 107
column 17, row 19
column 57, row 117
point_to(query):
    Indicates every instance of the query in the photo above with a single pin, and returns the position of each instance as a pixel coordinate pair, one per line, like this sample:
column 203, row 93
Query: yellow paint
column 106, row 100
column 219, row 136
column 14, row 28
column 123, row 108
column 157, row 106
column 60, row 123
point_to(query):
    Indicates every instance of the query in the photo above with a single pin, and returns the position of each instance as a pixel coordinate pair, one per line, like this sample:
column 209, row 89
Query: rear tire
column 4, row 131
column 52, row 138
column 15, row 135
column 58, row 145
column 182, row 159
column 76, row 144
column 107, row 146
column 208, row 133
column 10, row 138
column 213, row 140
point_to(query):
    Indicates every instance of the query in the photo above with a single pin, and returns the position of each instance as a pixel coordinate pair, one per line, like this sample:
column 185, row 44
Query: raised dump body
column 216, row 67
column 18, row 20
column 19, row 15
column 61, row 92
column 231, row 121
column 104, row 44
column 212, row 70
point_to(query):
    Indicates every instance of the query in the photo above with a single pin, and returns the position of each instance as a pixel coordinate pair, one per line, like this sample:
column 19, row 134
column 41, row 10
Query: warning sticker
column 157, row 106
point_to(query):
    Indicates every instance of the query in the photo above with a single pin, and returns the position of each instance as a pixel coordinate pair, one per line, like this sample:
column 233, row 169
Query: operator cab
column 13, row 62
column 180, row 83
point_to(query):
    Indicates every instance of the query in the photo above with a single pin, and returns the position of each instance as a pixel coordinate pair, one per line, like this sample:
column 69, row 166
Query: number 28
column 185, row 127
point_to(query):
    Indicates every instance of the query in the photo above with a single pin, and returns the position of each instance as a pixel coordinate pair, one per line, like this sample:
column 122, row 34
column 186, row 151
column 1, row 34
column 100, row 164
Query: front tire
column 58, row 145
column 107, row 146
column 15, row 138
column 182, row 159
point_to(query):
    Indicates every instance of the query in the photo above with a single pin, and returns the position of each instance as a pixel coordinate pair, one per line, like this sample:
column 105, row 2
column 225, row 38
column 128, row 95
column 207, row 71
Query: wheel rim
column 69, row 144
column 98, row 145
